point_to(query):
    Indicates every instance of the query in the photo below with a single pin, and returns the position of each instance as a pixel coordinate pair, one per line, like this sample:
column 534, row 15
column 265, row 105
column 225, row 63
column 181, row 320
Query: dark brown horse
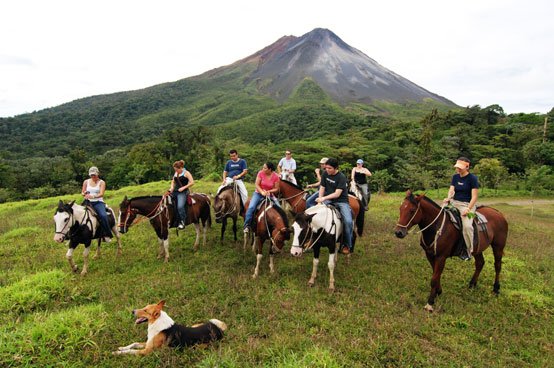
column 227, row 205
column 439, row 238
column 269, row 223
column 160, row 212
column 296, row 198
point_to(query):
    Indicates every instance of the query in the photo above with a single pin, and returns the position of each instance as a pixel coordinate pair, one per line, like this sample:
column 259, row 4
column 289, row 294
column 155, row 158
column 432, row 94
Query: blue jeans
column 310, row 202
column 100, row 208
column 181, row 202
column 346, row 213
column 254, row 201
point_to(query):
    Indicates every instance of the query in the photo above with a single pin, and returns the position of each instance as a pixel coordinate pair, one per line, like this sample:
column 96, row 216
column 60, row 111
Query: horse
column 270, row 222
column 296, row 198
column 439, row 238
column 79, row 225
column 161, row 214
column 317, row 227
column 227, row 204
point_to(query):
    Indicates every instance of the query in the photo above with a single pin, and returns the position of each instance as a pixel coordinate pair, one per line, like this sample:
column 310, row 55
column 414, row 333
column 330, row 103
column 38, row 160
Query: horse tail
column 360, row 219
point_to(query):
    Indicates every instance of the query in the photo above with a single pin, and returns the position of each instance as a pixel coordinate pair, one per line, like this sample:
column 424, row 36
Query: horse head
column 126, row 215
column 410, row 214
column 63, row 220
column 301, row 233
column 226, row 202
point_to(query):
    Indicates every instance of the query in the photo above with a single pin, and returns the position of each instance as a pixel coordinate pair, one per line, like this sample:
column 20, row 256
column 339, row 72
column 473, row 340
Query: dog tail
column 221, row 325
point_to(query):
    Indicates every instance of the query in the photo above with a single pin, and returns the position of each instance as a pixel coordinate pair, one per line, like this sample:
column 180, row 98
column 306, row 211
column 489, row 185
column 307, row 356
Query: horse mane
column 145, row 197
column 283, row 215
column 292, row 184
column 226, row 188
column 427, row 199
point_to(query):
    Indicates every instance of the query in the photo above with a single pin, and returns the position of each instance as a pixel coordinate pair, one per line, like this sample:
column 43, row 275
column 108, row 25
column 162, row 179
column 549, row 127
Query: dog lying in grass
column 162, row 330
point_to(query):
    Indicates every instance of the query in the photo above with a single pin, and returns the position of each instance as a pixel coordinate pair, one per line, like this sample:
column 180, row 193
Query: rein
column 310, row 232
column 160, row 208
column 294, row 196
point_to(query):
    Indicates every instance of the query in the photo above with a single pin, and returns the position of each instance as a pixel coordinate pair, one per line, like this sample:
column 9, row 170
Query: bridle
column 310, row 232
column 295, row 204
column 158, row 210
column 414, row 215
column 70, row 221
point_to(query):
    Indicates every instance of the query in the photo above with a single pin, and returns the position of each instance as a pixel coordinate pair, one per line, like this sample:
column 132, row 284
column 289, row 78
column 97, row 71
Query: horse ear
column 309, row 217
column 409, row 193
column 71, row 203
column 60, row 204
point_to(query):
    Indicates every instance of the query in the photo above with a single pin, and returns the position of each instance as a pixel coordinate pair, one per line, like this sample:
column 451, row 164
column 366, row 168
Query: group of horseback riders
column 331, row 183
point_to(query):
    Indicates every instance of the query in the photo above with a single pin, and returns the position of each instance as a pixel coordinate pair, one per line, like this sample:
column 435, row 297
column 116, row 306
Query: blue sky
column 473, row 52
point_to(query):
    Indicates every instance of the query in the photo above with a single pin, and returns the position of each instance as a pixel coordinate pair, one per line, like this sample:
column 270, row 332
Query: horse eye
column 65, row 220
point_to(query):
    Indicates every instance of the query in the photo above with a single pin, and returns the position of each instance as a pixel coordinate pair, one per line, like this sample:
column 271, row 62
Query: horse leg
column 85, row 259
column 498, row 251
column 479, row 263
column 166, row 250
column 69, row 256
column 259, row 257
column 204, row 232
column 315, row 263
column 271, row 263
column 161, row 252
column 431, row 259
column 197, row 241
column 331, row 265
column 235, row 228
column 97, row 254
column 223, row 226
column 118, row 237
column 435, row 282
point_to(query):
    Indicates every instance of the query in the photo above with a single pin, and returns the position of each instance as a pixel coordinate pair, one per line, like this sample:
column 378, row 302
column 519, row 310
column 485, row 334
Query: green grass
column 375, row 318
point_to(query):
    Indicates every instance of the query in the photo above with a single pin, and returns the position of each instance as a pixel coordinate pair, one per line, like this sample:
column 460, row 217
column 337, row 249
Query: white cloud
column 472, row 52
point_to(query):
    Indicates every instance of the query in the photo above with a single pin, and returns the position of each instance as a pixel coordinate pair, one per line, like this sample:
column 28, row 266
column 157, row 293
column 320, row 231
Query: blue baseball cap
column 360, row 161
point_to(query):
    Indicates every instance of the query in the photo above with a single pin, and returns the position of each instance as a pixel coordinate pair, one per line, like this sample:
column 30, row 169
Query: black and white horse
column 79, row 225
column 317, row 227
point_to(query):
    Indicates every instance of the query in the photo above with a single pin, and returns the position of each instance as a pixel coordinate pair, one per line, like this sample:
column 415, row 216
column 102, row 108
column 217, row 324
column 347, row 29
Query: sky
column 473, row 52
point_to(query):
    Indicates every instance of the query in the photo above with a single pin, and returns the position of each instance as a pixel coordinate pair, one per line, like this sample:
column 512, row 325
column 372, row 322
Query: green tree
column 491, row 172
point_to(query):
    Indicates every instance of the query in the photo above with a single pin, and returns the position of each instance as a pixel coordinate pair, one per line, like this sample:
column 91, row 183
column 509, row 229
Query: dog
column 163, row 331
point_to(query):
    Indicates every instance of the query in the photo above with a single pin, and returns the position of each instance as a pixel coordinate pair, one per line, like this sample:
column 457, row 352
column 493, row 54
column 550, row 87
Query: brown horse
column 161, row 213
column 269, row 223
column 439, row 238
column 296, row 198
column 227, row 204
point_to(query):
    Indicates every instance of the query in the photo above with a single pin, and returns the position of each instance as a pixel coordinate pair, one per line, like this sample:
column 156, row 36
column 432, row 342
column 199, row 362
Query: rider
column 333, row 189
column 235, row 170
column 179, row 189
column 359, row 176
column 267, row 184
column 93, row 191
column 310, row 202
column 287, row 167
column 463, row 192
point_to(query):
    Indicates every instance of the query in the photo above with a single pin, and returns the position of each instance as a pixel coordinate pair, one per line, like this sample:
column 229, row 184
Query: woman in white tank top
column 93, row 191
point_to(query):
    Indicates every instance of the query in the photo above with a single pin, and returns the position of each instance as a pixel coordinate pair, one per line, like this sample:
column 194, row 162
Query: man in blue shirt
column 333, row 189
column 235, row 170
column 463, row 193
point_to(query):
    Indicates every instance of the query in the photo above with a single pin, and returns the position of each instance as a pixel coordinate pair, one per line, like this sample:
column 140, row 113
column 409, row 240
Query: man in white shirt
column 287, row 167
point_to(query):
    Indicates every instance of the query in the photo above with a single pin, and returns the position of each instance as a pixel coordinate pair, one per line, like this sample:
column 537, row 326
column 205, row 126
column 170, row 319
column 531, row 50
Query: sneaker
column 246, row 230
column 181, row 225
column 465, row 257
column 106, row 239
column 345, row 250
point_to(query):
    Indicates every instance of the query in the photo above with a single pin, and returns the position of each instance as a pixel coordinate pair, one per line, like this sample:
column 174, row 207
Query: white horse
column 316, row 227
column 78, row 225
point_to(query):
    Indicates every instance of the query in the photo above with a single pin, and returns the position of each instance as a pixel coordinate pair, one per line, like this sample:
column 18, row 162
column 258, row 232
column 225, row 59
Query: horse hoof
column 83, row 273
column 75, row 269
column 311, row 283
column 429, row 308
column 254, row 276
column 332, row 288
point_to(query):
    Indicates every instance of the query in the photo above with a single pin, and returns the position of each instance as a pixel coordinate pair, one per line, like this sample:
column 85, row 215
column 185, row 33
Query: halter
column 158, row 210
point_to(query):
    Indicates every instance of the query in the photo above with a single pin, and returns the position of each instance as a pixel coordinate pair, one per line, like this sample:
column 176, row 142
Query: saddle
column 479, row 224
column 91, row 211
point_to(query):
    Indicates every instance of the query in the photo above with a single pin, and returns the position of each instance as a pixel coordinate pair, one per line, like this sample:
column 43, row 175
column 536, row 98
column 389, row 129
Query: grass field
column 51, row 317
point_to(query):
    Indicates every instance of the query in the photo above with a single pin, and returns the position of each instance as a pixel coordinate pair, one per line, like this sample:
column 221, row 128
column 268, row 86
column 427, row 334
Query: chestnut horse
column 296, row 198
column 161, row 216
column 269, row 223
column 439, row 238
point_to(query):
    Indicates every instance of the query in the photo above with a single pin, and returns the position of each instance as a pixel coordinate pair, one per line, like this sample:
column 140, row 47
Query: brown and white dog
column 162, row 330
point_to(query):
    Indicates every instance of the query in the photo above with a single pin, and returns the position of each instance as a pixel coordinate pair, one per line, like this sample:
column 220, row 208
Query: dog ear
column 161, row 303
